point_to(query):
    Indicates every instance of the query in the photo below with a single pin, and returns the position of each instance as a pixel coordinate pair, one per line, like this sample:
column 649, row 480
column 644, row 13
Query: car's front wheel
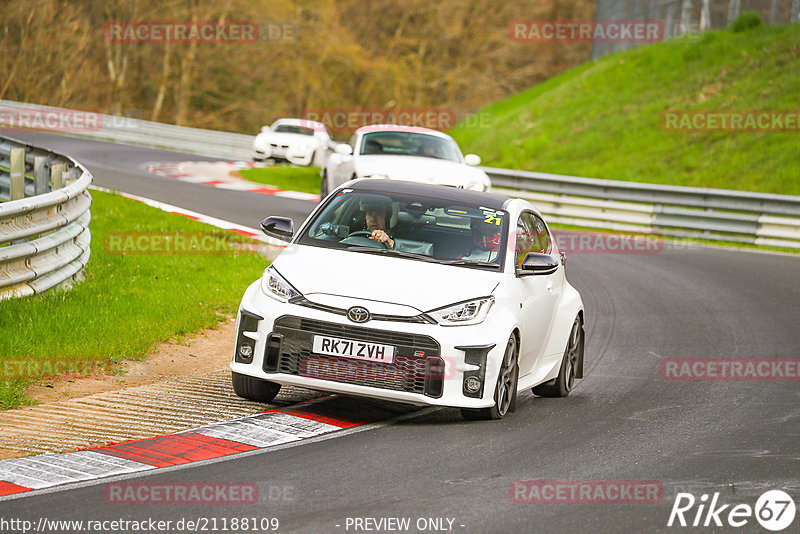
column 254, row 389
column 563, row 383
column 505, row 391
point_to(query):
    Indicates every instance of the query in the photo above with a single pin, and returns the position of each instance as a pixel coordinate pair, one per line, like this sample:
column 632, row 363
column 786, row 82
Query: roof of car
column 401, row 128
column 454, row 194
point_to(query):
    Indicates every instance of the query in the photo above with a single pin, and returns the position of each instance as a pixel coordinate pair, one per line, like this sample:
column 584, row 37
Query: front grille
column 421, row 318
column 417, row 366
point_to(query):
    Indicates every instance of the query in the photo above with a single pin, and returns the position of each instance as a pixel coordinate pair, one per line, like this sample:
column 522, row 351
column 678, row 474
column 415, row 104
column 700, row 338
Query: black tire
column 254, row 389
column 323, row 188
column 505, row 391
column 563, row 383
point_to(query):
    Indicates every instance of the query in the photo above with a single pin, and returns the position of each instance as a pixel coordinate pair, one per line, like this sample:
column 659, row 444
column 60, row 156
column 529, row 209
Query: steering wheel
column 366, row 235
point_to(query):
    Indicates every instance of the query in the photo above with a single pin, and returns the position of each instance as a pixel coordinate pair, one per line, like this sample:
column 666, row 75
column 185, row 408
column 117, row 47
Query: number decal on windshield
column 491, row 219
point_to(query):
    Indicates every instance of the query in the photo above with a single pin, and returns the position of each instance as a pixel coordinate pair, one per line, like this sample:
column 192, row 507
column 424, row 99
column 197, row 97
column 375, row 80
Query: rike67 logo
column 774, row 510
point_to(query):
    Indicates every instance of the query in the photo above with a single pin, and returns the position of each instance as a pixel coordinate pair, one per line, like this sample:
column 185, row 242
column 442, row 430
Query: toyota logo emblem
column 358, row 314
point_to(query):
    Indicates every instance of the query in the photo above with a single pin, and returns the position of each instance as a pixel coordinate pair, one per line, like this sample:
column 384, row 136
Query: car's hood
column 288, row 139
column 420, row 169
column 406, row 282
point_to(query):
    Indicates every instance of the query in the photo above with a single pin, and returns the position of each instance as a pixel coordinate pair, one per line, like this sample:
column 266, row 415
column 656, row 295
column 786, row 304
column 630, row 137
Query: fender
column 571, row 305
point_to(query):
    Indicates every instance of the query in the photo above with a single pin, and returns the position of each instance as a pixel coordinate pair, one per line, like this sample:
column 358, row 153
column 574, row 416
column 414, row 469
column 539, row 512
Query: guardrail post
column 17, row 174
column 71, row 175
column 56, row 175
column 705, row 15
column 40, row 178
column 733, row 11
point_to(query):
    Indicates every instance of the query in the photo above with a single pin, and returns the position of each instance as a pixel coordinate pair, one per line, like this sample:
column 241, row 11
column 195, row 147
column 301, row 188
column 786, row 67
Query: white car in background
column 415, row 293
column 298, row 141
column 403, row 153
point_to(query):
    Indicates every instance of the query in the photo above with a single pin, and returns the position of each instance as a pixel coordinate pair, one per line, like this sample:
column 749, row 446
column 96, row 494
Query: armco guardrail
column 674, row 211
column 713, row 214
column 44, row 239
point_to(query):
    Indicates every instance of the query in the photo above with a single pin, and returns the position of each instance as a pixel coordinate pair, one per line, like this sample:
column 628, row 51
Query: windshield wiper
column 392, row 252
column 471, row 263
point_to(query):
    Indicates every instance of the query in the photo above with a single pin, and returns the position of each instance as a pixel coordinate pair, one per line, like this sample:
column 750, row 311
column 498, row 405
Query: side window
column 352, row 143
column 532, row 236
column 523, row 238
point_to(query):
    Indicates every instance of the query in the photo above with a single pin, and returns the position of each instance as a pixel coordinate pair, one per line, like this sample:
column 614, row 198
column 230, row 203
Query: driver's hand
column 383, row 237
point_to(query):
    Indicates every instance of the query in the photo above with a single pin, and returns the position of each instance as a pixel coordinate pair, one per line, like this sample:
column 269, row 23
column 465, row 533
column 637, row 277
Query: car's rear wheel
column 563, row 383
column 505, row 391
column 323, row 188
column 254, row 389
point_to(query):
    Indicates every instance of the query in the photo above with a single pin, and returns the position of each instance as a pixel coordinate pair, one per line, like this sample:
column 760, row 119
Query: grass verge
column 127, row 303
column 287, row 177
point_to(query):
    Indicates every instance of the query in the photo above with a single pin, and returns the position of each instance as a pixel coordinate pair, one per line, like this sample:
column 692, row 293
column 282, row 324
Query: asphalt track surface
column 622, row 422
column 123, row 168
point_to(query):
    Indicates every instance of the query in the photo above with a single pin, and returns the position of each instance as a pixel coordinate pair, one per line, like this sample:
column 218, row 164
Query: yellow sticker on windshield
column 491, row 219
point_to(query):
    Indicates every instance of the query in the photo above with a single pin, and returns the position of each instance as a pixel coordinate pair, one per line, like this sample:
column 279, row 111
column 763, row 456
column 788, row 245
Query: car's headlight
column 463, row 313
column 275, row 286
column 476, row 186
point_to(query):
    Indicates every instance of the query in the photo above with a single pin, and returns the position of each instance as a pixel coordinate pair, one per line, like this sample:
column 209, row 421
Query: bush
column 745, row 21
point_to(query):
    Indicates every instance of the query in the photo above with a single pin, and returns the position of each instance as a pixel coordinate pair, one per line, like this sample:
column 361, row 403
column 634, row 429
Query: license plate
column 358, row 350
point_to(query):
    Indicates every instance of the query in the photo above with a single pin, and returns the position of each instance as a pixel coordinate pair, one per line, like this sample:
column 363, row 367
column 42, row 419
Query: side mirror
column 265, row 129
column 344, row 149
column 535, row 263
column 472, row 159
column 278, row 227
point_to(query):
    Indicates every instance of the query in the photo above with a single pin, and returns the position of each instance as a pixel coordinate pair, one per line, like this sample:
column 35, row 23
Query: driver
column 376, row 214
column 428, row 148
column 485, row 239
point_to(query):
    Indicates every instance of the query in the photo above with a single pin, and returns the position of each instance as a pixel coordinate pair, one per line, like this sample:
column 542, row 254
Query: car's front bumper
column 430, row 366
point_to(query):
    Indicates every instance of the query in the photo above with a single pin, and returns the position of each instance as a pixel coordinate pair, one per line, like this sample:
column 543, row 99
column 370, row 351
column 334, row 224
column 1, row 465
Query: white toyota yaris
column 417, row 293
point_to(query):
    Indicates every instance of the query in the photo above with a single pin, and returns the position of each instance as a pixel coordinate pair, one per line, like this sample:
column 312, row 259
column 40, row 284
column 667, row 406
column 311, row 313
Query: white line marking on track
column 200, row 217
column 216, row 174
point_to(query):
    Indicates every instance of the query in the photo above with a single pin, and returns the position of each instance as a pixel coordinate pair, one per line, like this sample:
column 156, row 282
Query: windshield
column 417, row 228
column 291, row 128
column 409, row 144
